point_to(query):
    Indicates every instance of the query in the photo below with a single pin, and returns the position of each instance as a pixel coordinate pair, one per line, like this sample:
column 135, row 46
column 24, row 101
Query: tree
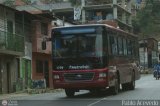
column 75, row 2
column 147, row 21
column 9, row 3
column 27, row 1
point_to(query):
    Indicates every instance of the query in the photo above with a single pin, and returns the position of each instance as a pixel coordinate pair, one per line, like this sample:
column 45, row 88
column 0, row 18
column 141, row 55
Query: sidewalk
column 12, row 95
column 28, row 92
column 147, row 71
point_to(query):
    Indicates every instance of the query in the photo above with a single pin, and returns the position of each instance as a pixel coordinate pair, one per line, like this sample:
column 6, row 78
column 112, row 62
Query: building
column 41, row 27
column 11, row 49
column 41, row 30
column 148, row 52
column 114, row 12
column 24, row 27
column 21, row 58
column 41, row 59
column 36, row 61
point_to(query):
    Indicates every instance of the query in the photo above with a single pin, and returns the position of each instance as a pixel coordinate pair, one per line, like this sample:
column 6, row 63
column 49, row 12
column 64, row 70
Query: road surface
column 146, row 93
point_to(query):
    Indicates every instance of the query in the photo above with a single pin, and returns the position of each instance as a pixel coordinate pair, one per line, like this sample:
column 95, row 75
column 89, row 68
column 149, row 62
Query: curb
column 40, row 91
column 8, row 96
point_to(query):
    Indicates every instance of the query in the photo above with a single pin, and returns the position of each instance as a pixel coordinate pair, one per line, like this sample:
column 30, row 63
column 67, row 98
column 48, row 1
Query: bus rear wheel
column 70, row 92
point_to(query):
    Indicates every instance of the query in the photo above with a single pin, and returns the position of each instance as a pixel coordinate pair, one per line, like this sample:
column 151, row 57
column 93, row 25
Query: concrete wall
column 38, row 37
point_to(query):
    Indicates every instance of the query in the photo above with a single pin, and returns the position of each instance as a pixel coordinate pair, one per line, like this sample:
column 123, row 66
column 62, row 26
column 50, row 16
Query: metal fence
column 12, row 42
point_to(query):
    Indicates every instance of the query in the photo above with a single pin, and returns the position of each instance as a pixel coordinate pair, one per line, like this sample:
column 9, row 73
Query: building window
column 39, row 66
column 44, row 29
column 10, row 26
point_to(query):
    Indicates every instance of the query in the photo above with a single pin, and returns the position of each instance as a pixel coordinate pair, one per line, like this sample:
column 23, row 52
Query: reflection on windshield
column 77, row 45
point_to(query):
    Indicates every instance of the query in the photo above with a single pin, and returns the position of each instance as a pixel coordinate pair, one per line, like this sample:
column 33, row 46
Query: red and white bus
column 94, row 57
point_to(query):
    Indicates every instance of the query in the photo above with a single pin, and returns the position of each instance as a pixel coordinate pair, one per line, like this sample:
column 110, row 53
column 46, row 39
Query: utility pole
column 63, row 21
column 114, row 9
column 144, row 51
column 83, row 11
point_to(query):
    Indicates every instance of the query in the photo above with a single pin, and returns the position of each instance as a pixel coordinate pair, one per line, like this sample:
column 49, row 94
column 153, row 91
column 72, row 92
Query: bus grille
column 78, row 76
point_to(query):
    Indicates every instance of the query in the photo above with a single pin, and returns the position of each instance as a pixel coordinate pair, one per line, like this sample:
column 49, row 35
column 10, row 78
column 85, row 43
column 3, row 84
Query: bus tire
column 115, row 89
column 70, row 92
column 125, row 87
column 132, row 83
column 95, row 91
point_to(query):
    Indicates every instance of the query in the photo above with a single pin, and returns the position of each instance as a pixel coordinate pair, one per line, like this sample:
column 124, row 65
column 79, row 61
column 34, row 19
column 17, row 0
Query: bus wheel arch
column 130, row 85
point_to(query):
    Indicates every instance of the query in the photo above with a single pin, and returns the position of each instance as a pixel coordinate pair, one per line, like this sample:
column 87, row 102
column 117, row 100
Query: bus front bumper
column 81, row 85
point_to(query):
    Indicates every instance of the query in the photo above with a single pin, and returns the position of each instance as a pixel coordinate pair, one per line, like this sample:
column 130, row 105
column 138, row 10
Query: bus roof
column 108, row 26
column 149, row 38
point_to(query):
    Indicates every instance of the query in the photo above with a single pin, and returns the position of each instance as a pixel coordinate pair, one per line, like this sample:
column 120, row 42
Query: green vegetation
column 75, row 2
column 147, row 21
column 26, row 1
column 8, row 3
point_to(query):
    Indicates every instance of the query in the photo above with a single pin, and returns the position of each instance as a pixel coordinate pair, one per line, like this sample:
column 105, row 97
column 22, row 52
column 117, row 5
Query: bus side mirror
column 43, row 45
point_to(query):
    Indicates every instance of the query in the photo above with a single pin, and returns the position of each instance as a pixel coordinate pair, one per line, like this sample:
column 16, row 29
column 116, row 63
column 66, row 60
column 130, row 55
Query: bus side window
column 133, row 48
column 125, row 46
column 120, row 46
column 105, row 43
column 129, row 47
column 113, row 44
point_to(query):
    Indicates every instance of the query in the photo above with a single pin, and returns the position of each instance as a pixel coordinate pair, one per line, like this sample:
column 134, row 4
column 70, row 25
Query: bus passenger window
column 125, row 46
column 120, row 46
column 113, row 45
column 129, row 47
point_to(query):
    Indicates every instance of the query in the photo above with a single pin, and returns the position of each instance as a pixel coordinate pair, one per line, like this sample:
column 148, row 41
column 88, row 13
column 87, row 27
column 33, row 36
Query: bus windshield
column 77, row 45
column 81, row 45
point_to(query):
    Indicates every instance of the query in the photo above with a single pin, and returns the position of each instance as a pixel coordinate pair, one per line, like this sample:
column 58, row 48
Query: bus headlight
column 102, row 74
column 56, row 76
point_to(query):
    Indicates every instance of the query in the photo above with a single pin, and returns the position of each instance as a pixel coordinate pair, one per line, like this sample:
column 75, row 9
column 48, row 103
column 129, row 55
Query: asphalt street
column 147, row 92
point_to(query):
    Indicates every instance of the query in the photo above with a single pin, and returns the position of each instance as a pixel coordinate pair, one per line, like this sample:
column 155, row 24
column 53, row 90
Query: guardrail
column 12, row 42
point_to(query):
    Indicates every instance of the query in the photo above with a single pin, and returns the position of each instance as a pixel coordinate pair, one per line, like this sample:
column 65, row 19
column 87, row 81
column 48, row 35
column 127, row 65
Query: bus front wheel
column 115, row 89
column 130, row 85
column 69, row 92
